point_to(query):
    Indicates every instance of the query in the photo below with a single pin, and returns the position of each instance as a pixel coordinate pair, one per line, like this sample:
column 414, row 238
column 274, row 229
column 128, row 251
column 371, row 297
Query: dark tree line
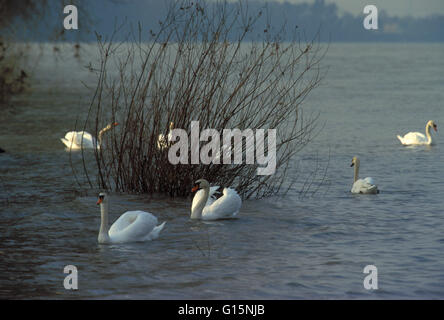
column 308, row 18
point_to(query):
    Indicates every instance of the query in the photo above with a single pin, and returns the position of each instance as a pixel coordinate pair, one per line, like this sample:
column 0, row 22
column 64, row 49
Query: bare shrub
column 199, row 66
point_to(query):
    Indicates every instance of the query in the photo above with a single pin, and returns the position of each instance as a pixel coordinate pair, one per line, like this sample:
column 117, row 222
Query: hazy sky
column 416, row 8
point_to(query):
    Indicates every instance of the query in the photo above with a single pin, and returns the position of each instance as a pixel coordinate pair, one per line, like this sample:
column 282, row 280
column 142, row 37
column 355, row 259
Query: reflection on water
column 285, row 248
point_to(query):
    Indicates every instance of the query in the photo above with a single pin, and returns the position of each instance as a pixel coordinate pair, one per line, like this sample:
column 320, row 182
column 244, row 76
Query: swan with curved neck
column 365, row 186
column 132, row 226
column 81, row 139
column 206, row 207
column 417, row 138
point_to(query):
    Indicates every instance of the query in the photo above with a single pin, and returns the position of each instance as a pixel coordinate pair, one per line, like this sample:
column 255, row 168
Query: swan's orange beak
column 195, row 188
column 115, row 123
column 99, row 201
column 435, row 128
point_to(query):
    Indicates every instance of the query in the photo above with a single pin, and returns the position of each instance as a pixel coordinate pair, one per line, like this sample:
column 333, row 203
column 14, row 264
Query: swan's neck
column 196, row 211
column 103, row 232
column 101, row 132
column 356, row 172
column 429, row 137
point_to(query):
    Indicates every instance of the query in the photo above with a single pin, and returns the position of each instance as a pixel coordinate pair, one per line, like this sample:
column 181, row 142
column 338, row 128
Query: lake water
column 280, row 248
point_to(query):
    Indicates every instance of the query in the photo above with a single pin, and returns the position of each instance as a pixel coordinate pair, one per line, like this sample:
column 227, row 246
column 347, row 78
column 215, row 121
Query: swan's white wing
column 70, row 135
column 69, row 144
column 225, row 207
column 364, row 186
column 69, row 140
column 88, row 140
column 132, row 226
column 211, row 196
column 123, row 221
column 154, row 234
column 413, row 138
column 74, row 139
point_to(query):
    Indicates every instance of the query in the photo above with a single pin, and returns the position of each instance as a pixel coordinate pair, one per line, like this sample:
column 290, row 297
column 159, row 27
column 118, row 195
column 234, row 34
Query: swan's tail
column 154, row 234
column 373, row 189
column 400, row 139
column 69, row 144
column 65, row 142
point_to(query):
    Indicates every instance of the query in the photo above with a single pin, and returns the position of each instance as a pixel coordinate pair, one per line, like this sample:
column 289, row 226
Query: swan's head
column 111, row 125
column 432, row 124
column 103, row 198
column 355, row 161
column 200, row 184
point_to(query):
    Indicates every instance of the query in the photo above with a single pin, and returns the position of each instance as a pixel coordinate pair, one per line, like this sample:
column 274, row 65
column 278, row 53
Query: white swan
column 206, row 207
column 366, row 185
column 132, row 226
column 73, row 139
column 417, row 138
column 164, row 141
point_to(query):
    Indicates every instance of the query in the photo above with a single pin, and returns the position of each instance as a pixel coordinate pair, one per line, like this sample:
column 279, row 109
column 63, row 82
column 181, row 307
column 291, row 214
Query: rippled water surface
column 289, row 248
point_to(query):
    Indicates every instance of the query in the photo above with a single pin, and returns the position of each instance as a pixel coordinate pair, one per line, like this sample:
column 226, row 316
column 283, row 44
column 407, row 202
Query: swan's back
column 365, row 186
column 134, row 226
column 73, row 139
column 413, row 138
column 225, row 207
